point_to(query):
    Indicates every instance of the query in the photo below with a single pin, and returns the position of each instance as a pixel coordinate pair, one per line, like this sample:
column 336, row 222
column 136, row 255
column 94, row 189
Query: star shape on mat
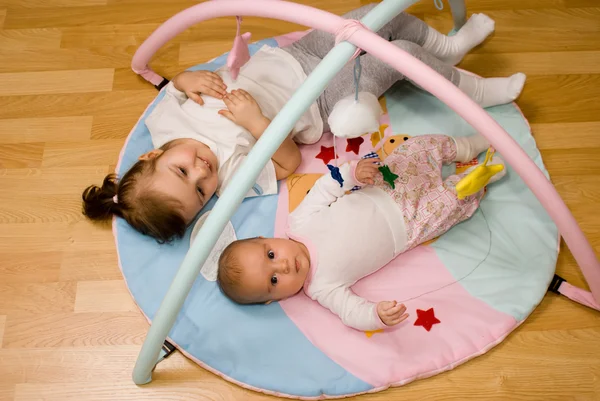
column 326, row 154
column 388, row 176
column 426, row 318
column 336, row 175
column 354, row 144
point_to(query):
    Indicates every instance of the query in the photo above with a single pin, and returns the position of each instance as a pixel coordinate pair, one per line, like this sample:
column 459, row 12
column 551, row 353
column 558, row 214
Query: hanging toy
column 388, row 175
column 479, row 177
column 336, row 175
column 239, row 54
column 356, row 114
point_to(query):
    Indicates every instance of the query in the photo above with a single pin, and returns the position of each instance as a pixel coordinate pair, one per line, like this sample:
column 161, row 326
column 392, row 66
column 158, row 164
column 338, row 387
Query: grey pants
column 404, row 31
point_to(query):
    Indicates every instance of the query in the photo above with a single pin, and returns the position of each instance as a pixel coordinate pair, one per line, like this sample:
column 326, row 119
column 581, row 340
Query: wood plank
column 116, row 126
column 92, row 15
column 522, row 22
column 30, row 38
column 577, row 189
column 572, row 161
column 114, row 293
column 39, row 208
column 71, row 59
column 47, row 237
column 541, row 103
column 22, row 130
column 36, row 298
column 67, row 365
column 21, row 155
column 64, row 330
column 2, row 17
column 30, row 267
column 87, row 153
column 90, row 265
column 567, row 135
column 7, row 390
column 44, row 181
column 77, row 104
column 51, row 3
column 2, row 325
column 504, row 64
column 52, row 82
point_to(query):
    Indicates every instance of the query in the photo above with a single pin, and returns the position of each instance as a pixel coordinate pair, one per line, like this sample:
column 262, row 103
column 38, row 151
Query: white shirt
column 348, row 237
column 271, row 76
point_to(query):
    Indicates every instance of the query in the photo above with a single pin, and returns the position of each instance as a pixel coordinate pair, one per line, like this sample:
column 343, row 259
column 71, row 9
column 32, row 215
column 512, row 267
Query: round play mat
column 465, row 291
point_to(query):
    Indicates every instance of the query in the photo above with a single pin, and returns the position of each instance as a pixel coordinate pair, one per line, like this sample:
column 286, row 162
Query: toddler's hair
column 230, row 273
column 148, row 211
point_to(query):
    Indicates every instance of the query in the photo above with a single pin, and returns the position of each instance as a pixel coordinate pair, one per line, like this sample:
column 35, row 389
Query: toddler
column 206, row 123
column 336, row 239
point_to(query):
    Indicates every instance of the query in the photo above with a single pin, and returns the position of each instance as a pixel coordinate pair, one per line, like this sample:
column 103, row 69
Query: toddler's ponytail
column 101, row 203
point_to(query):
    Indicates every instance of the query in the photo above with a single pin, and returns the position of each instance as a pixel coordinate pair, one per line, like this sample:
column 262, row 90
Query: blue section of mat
column 506, row 253
column 256, row 345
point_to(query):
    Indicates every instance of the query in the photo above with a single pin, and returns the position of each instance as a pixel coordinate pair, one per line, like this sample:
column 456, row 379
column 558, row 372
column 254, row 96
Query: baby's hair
column 230, row 273
column 148, row 211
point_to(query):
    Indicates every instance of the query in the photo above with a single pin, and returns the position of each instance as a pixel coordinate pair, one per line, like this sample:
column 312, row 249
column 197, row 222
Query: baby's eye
column 271, row 255
column 274, row 280
column 182, row 170
column 200, row 191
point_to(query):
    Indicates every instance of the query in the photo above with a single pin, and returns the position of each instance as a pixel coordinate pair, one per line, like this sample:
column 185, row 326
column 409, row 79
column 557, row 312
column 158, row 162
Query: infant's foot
column 473, row 33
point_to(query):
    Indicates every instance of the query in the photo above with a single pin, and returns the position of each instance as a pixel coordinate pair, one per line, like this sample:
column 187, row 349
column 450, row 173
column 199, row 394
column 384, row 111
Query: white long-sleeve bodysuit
column 348, row 237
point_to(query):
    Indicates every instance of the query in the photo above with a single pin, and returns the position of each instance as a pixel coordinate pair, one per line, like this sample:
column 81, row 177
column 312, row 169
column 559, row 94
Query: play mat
column 465, row 291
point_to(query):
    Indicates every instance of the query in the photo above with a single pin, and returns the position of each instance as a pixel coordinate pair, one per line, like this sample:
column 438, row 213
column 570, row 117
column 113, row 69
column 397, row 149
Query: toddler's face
column 272, row 268
column 187, row 171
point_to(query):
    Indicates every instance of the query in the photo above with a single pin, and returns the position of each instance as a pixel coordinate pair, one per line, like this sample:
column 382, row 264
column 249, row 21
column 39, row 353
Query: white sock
column 452, row 49
column 494, row 160
column 489, row 92
column 468, row 147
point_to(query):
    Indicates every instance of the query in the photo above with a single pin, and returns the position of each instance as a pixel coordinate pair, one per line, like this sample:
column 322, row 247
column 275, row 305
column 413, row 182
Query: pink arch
column 416, row 71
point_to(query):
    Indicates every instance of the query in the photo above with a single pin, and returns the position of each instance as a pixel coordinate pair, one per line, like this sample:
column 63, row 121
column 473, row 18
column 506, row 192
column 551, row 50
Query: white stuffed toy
column 350, row 118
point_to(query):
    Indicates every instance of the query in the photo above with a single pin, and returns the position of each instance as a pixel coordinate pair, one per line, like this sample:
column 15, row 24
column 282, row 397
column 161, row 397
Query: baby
column 206, row 123
column 335, row 239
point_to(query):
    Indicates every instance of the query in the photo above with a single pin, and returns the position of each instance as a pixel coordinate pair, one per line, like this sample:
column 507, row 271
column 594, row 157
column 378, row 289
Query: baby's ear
column 151, row 155
column 268, row 302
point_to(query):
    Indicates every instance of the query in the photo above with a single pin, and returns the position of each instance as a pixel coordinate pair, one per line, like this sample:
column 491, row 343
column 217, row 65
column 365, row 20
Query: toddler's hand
column 193, row 83
column 366, row 170
column 391, row 312
column 243, row 110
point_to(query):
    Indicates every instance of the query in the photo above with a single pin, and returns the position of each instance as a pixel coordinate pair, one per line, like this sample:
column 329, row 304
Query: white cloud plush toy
column 350, row 118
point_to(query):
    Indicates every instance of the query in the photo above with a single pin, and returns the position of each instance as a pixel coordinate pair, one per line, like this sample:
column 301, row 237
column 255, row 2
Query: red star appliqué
column 354, row 144
column 426, row 318
column 326, row 154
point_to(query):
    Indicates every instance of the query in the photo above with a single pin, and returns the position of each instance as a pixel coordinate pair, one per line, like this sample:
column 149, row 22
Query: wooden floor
column 68, row 328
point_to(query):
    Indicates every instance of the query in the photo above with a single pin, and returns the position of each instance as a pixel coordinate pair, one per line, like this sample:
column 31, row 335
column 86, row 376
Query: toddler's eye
column 182, row 170
column 274, row 280
column 271, row 255
column 200, row 191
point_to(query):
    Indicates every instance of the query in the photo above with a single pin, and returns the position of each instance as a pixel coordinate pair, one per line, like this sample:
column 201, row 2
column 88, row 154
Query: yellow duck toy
column 478, row 178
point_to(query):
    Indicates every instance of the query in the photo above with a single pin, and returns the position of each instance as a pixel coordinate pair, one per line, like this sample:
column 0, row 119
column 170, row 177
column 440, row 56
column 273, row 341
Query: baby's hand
column 391, row 312
column 243, row 110
column 366, row 169
column 193, row 83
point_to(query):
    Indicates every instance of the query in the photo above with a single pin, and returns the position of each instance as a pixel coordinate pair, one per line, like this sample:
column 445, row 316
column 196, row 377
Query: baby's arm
column 360, row 314
column 243, row 110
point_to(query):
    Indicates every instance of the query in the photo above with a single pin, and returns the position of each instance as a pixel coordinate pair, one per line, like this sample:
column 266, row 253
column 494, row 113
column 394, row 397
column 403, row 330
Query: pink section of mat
column 468, row 326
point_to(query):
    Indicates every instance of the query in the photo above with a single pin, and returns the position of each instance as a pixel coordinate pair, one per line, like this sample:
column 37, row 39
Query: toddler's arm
column 243, row 110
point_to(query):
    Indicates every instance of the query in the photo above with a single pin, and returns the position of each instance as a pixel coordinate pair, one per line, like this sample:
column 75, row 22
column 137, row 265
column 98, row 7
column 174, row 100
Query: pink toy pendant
column 239, row 54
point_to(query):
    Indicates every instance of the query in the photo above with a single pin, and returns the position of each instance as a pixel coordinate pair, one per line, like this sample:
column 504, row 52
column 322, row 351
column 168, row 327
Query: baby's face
column 272, row 268
column 187, row 171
